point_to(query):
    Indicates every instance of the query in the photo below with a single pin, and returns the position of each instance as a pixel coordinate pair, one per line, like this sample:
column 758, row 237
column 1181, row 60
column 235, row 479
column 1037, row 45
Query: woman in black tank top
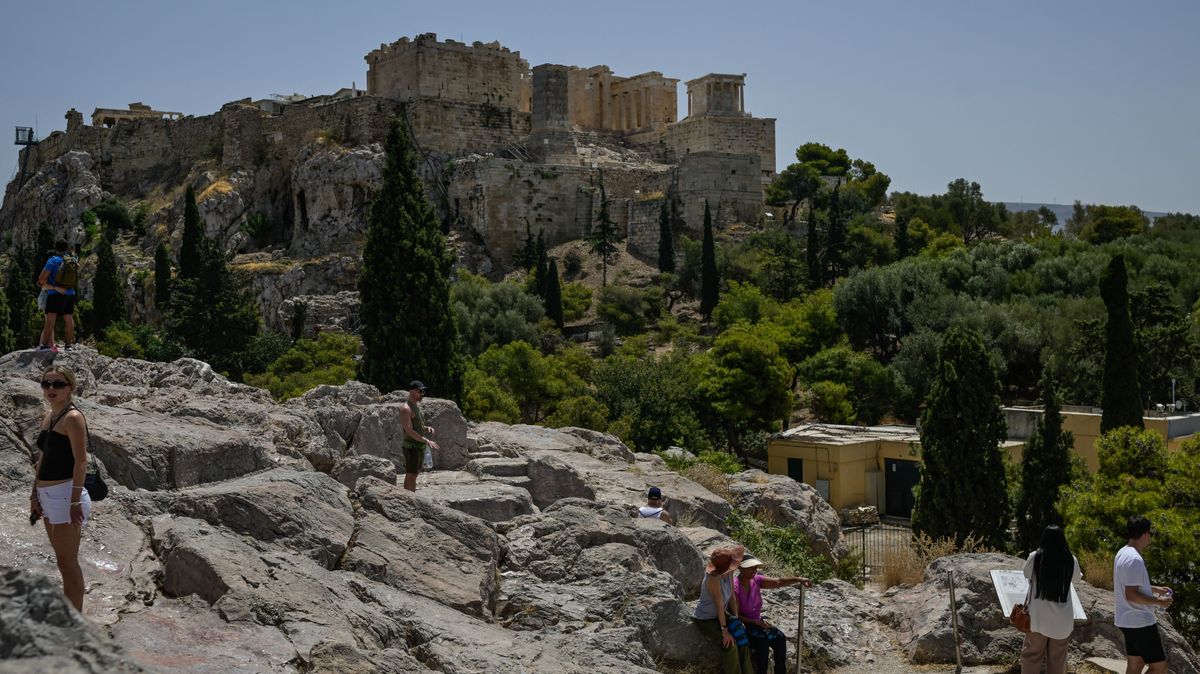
column 58, row 497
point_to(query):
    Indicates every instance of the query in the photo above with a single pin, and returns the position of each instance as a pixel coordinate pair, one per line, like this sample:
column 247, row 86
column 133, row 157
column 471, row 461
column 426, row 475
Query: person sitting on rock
column 655, row 507
column 58, row 497
column 716, row 612
column 417, row 436
column 764, row 637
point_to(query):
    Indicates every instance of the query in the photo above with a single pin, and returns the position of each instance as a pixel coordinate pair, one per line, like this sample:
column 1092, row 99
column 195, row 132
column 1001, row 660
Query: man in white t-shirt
column 1135, row 601
column 655, row 508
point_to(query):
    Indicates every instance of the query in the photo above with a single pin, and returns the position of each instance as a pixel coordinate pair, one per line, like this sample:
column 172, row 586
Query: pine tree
column 19, row 288
column 603, row 239
column 1121, row 399
column 212, row 314
column 408, row 326
column 1045, row 469
column 963, row 490
column 189, row 251
column 162, row 276
column 666, row 245
column 108, row 298
column 7, row 341
column 554, row 308
column 708, row 268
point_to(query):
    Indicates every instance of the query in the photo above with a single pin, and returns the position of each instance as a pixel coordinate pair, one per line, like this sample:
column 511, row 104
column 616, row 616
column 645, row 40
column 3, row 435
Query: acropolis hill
column 504, row 146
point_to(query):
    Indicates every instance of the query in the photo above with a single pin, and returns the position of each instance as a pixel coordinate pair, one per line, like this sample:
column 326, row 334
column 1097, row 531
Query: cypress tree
column 541, row 265
column 42, row 252
column 1045, row 468
column 666, row 246
column 108, row 297
column 408, row 326
column 708, row 268
column 189, row 251
column 1121, row 399
column 812, row 250
column 554, row 308
column 603, row 239
column 902, row 243
column 162, row 276
column 212, row 314
column 835, row 244
column 526, row 255
column 19, row 290
column 7, row 342
column 963, row 489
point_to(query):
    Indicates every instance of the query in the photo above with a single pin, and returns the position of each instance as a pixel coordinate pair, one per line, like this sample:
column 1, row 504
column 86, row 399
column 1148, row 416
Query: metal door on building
column 796, row 469
column 899, row 479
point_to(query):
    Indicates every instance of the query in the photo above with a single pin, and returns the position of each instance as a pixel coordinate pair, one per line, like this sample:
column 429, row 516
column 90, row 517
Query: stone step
column 521, row 481
column 486, row 455
column 498, row 467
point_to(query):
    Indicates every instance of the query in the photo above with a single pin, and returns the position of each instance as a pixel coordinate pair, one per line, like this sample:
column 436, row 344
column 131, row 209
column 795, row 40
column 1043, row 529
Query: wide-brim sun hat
column 750, row 562
column 725, row 558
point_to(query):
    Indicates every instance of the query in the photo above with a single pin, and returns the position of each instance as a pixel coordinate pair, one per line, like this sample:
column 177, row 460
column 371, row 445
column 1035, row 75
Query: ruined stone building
column 506, row 146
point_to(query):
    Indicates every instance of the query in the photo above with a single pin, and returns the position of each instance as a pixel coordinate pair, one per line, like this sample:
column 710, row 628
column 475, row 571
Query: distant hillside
column 1063, row 211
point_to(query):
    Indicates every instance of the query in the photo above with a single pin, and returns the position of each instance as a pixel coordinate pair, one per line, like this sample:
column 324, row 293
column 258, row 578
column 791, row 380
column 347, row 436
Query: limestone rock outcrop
column 782, row 500
column 921, row 618
column 333, row 187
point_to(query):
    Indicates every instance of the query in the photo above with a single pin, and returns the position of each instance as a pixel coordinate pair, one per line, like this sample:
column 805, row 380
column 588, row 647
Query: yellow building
column 879, row 465
column 1084, row 424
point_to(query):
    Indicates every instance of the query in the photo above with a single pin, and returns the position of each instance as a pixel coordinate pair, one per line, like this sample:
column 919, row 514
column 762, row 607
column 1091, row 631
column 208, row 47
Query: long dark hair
column 1054, row 566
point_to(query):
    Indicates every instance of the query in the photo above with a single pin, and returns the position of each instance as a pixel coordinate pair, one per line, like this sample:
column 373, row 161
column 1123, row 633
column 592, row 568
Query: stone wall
column 495, row 197
column 730, row 184
column 643, row 232
column 425, row 68
column 725, row 134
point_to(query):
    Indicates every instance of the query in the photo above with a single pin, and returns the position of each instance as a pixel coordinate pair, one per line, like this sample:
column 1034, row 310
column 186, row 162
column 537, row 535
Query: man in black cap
column 416, row 434
column 655, row 506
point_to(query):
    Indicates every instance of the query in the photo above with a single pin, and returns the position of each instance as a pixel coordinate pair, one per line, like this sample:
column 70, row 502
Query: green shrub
column 485, row 400
column 629, row 310
column 576, row 300
column 583, row 411
column 261, row 351
column 572, row 264
column 329, row 359
column 785, row 548
column 120, row 342
column 830, row 401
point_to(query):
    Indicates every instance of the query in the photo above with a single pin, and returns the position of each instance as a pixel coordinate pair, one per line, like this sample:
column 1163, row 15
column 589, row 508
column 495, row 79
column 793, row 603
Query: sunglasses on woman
column 56, row 383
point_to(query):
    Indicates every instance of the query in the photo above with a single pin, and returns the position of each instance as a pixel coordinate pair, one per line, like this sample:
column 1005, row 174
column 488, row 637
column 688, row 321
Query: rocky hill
column 244, row 535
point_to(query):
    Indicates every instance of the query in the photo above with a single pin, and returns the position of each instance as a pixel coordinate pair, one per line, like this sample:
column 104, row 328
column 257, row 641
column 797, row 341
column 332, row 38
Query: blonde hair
column 65, row 371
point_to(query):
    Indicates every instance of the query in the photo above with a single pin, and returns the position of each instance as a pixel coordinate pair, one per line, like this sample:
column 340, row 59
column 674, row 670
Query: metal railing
column 881, row 546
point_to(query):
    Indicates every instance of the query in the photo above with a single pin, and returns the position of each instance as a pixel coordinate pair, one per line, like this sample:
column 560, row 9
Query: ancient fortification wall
column 485, row 74
column 524, row 146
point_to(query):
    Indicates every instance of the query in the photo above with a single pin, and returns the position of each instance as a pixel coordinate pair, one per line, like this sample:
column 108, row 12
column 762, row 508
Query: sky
column 1094, row 100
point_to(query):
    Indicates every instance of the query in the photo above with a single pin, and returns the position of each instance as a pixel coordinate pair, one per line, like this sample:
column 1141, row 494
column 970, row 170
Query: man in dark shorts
column 416, row 434
column 60, row 297
column 1135, row 600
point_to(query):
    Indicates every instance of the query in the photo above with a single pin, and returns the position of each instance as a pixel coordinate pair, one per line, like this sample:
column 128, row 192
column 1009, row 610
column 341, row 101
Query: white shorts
column 56, row 502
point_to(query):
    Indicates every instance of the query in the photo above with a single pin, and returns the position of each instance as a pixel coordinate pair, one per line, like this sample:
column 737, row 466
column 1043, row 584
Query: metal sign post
column 954, row 619
column 800, row 634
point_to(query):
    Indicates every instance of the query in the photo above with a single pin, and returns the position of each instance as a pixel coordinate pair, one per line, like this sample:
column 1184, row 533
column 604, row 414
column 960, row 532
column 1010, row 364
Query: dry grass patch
column 220, row 186
column 907, row 566
column 1097, row 568
column 710, row 478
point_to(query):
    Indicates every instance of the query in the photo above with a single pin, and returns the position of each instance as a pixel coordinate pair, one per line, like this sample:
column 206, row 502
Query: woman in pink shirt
column 764, row 637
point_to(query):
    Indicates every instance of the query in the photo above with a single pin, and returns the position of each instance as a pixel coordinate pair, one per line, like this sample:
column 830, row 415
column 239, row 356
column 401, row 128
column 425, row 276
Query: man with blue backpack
column 58, row 279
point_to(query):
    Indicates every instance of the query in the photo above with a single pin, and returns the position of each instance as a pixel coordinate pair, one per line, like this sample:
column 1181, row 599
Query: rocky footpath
column 244, row 535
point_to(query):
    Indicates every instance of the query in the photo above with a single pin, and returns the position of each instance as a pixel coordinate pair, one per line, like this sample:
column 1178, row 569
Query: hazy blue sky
column 1037, row 101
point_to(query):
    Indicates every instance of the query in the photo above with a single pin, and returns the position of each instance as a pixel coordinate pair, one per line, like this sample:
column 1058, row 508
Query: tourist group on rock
column 729, row 610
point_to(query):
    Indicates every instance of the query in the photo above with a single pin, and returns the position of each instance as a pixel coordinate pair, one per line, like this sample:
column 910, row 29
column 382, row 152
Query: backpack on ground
column 68, row 273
